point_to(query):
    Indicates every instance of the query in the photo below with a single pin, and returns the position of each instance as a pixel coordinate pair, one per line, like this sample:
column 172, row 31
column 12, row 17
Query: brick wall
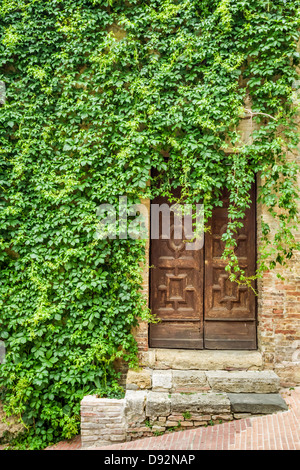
column 279, row 307
column 278, row 327
column 102, row 421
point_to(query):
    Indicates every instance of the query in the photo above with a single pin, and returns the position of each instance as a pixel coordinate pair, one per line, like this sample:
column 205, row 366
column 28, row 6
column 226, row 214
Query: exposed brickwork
column 278, row 327
column 279, row 324
column 171, row 423
column 102, row 421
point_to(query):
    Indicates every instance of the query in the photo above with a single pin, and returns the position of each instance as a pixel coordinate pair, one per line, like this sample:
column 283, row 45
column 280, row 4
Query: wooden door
column 191, row 294
column 176, row 292
column 229, row 312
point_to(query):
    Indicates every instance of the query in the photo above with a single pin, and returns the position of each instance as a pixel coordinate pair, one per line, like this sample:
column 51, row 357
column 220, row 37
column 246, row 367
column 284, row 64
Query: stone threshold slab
column 184, row 359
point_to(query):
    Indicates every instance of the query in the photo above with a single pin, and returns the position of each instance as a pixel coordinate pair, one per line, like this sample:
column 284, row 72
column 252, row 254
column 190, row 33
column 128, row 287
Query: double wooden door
column 191, row 294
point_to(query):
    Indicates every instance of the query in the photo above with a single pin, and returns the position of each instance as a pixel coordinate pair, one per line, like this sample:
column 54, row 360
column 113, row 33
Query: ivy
column 98, row 93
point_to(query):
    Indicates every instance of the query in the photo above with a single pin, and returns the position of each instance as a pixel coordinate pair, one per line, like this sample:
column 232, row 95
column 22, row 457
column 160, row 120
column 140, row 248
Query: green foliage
column 98, row 93
column 147, row 424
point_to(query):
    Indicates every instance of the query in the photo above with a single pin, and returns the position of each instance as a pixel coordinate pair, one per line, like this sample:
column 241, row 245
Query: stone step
column 143, row 405
column 257, row 403
column 258, row 381
column 188, row 359
column 193, row 381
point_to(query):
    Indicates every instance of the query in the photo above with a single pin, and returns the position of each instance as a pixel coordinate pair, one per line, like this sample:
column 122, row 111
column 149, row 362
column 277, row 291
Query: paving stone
column 243, row 381
column 257, row 403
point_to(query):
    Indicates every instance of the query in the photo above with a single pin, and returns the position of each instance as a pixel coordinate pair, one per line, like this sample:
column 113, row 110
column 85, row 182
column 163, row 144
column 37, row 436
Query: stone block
column 162, row 380
column 182, row 359
column 162, row 419
column 241, row 415
column 138, row 379
column 257, row 403
column 172, row 424
column 200, row 423
column 243, row 381
column 176, row 417
column 97, row 443
column 158, row 428
column 189, row 380
column 147, row 358
column 223, row 417
column 200, row 417
column 158, row 404
column 135, row 401
column 200, row 403
column 93, row 441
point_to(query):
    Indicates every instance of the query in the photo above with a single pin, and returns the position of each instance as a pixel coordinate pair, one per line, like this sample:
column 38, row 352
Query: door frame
column 254, row 208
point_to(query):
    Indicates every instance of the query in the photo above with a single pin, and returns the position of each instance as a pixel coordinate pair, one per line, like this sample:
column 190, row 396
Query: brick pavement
column 280, row 431
column 73, row 444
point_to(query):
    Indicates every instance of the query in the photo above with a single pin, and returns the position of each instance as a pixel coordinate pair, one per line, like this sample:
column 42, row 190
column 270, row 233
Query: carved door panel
column 176, row 291
column 229, row 312
column 191, row 294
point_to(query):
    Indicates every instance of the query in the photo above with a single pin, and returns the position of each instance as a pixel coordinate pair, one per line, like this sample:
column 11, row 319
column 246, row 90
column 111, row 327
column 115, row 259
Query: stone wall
column 149, row 413
column 164, row 401
column 146, row 413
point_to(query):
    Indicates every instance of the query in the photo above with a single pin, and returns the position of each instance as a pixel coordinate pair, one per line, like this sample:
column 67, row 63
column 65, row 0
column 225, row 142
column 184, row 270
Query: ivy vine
column 98, row 93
